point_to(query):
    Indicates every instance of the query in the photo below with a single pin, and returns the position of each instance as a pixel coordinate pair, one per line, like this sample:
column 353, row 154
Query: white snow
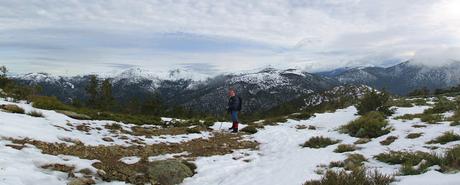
column 56, row 127
column 166, row 156
column 280, row 160
column 130, row 160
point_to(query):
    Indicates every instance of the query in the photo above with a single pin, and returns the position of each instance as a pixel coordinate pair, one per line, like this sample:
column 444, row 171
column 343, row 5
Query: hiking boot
column 235, row 130
column 231, row 128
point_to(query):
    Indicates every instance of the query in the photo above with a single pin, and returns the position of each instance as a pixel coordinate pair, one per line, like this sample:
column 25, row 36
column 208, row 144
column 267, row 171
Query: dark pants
column 234, row 115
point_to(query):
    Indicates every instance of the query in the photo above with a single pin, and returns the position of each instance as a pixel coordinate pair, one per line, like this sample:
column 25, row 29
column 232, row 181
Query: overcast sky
column 213, row 36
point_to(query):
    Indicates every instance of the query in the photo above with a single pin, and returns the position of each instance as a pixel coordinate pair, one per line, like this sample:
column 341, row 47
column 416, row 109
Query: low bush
column 250, row 129
column 401, row 103
column 358, row 176
column 354, row 161
column 446, row 137
column 193, row 130
column 48, row 103
column 425, row 117
column 388, row 140
column 413, row 135
column 319, row 142
column 345, row 148
column 374, row 101
column 451, row 159
column 12, row 108
column 441, row 106
column 413, row 163
column 35, row 113
column 371, row 125
column 362, row 141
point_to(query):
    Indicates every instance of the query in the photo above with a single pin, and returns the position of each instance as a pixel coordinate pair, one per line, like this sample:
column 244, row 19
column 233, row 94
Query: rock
column 12, row 108
column 107, row 139
column 168, row 172
column 81, row 181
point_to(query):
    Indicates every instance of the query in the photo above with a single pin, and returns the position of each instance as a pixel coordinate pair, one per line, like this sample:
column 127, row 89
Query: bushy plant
column 401, row 102
column 370, row 125
column 441, row 106
column 388, row 140
column 48, row 103
column 446, row 137
column 345, row 148
column 357, row 176
column 35, row 113
column 413, row 135
column 251, row 129
column 412, row 162
column 374, row 101
column 451, row 159
column 319, row 142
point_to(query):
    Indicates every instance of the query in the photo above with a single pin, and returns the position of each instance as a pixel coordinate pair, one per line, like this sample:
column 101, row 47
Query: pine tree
column 374, row 101
column 92, row 92
column 3, row 78
column 107, row 100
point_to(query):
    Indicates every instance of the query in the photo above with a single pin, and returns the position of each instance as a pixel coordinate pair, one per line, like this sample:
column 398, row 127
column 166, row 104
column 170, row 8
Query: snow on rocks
column 166, row 156
column 130, row 160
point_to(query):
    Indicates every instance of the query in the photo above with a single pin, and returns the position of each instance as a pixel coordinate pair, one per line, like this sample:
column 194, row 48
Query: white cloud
column 314, row 34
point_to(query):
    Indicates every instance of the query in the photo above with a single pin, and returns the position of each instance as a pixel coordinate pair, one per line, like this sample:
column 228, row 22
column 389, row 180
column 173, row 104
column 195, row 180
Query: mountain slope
column 261, row 90
column 404, row 77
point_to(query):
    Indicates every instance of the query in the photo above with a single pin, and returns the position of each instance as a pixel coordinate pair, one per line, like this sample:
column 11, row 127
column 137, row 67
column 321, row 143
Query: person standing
column 234, row 106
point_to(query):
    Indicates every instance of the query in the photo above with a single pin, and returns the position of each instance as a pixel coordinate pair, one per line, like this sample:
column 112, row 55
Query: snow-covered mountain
column 404, row 77
column 261, row 89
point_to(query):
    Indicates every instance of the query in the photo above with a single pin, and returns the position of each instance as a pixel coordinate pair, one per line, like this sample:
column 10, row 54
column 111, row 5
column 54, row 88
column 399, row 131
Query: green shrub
column 388, row 140
column 354, row 161
column 48, row 103
column 193, row 130
column 250, row 129
column 12, row 108
column 35, row 113
column 432, row 118
column 443, row 105
column 374, row 101
column 345, row 148
column 362, row 141
column 401, row 103
column 419, row 102
column 451, row 159
column 370, row 125
column 413, row 163
column 413, row 135
column 445, row 138
column 358, row 176
column 319, row 142
column 455, row 118
column 300, row 116
column 425, row 117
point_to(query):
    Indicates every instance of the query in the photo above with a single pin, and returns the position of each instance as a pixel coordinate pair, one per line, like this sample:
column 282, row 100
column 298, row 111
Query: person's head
column 231, row 92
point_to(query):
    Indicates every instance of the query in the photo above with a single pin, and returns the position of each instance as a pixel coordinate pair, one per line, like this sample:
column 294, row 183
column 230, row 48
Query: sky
column 211, row 37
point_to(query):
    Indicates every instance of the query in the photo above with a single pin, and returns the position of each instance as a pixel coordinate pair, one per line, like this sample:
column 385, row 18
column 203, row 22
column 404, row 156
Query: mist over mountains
column 261, row 90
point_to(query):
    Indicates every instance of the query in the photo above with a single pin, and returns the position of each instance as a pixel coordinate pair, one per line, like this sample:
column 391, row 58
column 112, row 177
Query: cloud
column 314, row 35
column 437, row 56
